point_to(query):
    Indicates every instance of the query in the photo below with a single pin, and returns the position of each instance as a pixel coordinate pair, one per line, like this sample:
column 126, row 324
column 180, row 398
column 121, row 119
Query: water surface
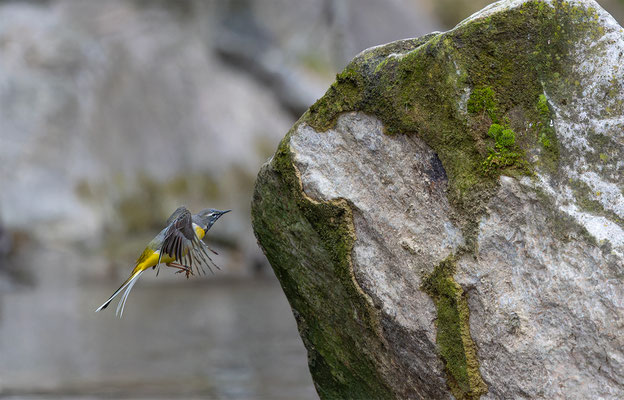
column 219, row 337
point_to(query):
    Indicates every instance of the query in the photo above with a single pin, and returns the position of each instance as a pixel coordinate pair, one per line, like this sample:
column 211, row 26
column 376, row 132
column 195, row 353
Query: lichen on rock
column 439, row 200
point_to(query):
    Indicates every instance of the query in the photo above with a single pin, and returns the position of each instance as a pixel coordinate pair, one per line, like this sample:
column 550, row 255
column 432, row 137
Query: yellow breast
column 199, row 231
column 149, row 258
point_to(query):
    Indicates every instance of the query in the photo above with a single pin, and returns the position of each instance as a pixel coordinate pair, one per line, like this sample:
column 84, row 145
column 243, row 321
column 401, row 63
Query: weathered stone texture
column 455, row 204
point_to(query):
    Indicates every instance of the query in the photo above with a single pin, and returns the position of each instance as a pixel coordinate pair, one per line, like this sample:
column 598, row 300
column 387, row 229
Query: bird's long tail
column 126, row 287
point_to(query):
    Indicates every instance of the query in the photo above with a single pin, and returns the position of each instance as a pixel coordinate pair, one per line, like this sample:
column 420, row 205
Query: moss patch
column 344, row 343
column 453, row 332
column 547, row 135
column 482, row 101
column 505, row 153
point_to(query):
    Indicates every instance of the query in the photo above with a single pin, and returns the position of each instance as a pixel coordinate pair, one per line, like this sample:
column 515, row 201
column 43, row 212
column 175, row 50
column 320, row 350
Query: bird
column 181, row 241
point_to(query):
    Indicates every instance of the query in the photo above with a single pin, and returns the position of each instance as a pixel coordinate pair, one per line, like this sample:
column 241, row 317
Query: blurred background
column 113, row 113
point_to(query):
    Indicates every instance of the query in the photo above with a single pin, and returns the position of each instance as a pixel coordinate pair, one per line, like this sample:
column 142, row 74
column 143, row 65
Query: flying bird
column 179, row 246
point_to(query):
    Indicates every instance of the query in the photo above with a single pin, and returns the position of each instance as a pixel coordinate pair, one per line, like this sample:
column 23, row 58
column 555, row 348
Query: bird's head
column 209, row 216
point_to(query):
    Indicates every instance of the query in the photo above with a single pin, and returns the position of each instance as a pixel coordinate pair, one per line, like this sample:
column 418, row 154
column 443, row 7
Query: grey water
column 215, row 337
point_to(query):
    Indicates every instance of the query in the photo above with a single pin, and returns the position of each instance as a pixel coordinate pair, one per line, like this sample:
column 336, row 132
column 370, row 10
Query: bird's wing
column 179, row 236
column 157, row 242
column 181, row 243
column 180, row 210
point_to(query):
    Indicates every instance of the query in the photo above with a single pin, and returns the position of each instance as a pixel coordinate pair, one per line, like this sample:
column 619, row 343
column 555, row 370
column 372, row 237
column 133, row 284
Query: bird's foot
column 181, row 268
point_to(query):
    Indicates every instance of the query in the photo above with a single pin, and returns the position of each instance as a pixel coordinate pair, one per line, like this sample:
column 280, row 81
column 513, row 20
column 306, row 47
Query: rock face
column 448, row 220
column 93, row 94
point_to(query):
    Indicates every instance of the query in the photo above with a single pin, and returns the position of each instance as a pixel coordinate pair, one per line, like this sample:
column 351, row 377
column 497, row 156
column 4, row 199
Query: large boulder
column 448, row 220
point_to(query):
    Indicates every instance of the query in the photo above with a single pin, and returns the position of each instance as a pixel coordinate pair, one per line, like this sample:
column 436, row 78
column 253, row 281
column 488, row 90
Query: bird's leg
column 182, row 268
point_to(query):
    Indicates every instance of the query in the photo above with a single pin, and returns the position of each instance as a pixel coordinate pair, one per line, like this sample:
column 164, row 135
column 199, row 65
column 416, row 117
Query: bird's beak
column 225, row 212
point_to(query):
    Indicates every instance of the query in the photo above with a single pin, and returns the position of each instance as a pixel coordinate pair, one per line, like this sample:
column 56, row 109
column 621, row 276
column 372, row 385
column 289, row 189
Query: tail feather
column 124, row 298
column 127, row 285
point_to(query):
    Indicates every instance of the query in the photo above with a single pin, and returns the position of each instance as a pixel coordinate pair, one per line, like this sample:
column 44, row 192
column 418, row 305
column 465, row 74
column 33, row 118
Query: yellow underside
column 149, row 258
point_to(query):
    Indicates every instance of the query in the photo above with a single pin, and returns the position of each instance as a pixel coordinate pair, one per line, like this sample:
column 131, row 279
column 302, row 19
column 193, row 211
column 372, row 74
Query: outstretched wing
column 179, row 236
column 181, row 243
column 176, row 214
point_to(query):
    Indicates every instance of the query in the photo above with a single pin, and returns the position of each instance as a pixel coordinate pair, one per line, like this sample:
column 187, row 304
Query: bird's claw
column 181, row 268
column 188, row 272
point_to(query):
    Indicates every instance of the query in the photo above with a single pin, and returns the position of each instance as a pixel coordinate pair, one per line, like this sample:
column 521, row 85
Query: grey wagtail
column 180, row 241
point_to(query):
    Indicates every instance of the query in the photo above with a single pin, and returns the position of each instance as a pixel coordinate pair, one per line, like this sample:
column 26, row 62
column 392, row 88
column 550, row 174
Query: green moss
column 547, row 135
column 542, row 107
column 482, row 101
column 545, row 141
column 343, row 342
column 453, row 332
column 507, row 61
column 505, row 137
column 505, row 153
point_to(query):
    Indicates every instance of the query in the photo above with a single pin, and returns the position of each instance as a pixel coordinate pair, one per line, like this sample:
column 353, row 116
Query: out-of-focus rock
column 114, row 113
column 447, row 221
column 288, row 46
